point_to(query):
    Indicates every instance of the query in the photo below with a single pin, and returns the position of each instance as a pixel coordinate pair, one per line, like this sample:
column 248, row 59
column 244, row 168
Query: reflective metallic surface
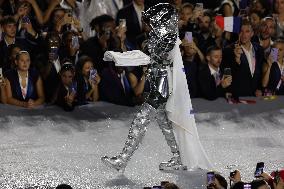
column 41, row 148
column 163, row 20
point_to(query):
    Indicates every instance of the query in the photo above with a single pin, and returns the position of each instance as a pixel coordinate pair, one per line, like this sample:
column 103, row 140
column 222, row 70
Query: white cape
column 179, row 110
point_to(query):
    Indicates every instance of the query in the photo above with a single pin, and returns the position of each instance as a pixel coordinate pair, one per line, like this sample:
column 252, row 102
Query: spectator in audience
column 28, row 11
column 24, row 85
column 9, row 29
column 65, row 95
column 262, row 6
column 114, row 6
column 87, row 85
column 255, row 18
column 204, row 34
column 185, row 16
column 212, row 82
column 70, row 47
column 48, row 64
column 115, row 86
column 273, row 77
column 13, row 50
column 267, row 31
column 133, row 15
column 279, row 16
column 96, row 46
column 227, row 8
column 245, row 60
column 192, row 60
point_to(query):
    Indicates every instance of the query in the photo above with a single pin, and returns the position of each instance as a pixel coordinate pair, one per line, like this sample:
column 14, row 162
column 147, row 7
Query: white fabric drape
column 179, row 110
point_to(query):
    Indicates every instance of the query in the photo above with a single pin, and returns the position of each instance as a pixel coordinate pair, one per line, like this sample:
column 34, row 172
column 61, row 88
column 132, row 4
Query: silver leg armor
column 163, row 20
column 154, row 106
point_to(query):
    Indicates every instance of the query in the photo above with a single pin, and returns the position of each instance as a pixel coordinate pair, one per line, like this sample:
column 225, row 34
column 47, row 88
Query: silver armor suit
column 163, row 20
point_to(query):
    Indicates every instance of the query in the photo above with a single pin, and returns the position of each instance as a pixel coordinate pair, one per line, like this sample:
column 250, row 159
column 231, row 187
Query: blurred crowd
column 51, row 51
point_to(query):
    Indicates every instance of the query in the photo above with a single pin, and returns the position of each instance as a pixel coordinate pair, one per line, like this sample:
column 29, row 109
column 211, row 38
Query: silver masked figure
column 163, row 21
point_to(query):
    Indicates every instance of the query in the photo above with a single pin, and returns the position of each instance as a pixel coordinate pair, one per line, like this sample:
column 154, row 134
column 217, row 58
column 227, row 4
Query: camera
column 233, row 173
column 26, row 19
column 93, row 73
column 106, row 31
column 75, row 42
column 259, row 169
column 227, row 72
column 122, row 23
column 210, row 178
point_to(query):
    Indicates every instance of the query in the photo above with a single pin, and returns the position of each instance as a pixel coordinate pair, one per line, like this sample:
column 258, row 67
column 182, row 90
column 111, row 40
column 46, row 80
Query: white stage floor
column 45, row 147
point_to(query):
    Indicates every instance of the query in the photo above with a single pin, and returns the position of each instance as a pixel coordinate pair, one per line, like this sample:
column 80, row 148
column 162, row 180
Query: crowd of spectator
column 52, row 51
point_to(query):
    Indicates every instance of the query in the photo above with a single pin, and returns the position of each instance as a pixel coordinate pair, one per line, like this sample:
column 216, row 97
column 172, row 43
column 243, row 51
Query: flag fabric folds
column 230, row 23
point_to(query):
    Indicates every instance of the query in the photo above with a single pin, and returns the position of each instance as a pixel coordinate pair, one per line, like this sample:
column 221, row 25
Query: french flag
column 230, row 23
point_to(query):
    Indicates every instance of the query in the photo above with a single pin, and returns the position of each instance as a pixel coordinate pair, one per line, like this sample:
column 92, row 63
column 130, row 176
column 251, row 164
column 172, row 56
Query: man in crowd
column 212, row 82
column 245, row 60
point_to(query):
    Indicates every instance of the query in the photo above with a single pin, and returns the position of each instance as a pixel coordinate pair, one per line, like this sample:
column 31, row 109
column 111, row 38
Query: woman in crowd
column 87, row 81
column 66, row 93
column 274, row 77
column 24, row 85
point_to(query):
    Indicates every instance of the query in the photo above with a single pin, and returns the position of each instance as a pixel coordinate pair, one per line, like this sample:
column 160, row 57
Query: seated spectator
column 87, row 83
column 115, row 86
column 245, row 60
column 24, row 85
column 212, row 82
column 274, row 75
column 192, row 60
column 9, row 28
column 65, row 95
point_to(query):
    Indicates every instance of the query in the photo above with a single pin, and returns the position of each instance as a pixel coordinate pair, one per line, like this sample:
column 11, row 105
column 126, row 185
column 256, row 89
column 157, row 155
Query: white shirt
column 57, row 65
column 250, row 54
column 24, row 90
column 121, row 79
column 215, row 73
column 138, row 11
column 113, row 6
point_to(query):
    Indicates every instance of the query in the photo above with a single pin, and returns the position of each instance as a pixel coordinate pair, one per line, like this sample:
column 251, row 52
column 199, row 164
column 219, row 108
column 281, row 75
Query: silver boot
column 165, row 125
column 134, row 138
column 173, row 164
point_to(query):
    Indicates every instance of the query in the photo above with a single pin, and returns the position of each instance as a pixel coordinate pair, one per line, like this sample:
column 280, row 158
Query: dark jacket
column 33, row 76
column 244, row 83
column 208, row 88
